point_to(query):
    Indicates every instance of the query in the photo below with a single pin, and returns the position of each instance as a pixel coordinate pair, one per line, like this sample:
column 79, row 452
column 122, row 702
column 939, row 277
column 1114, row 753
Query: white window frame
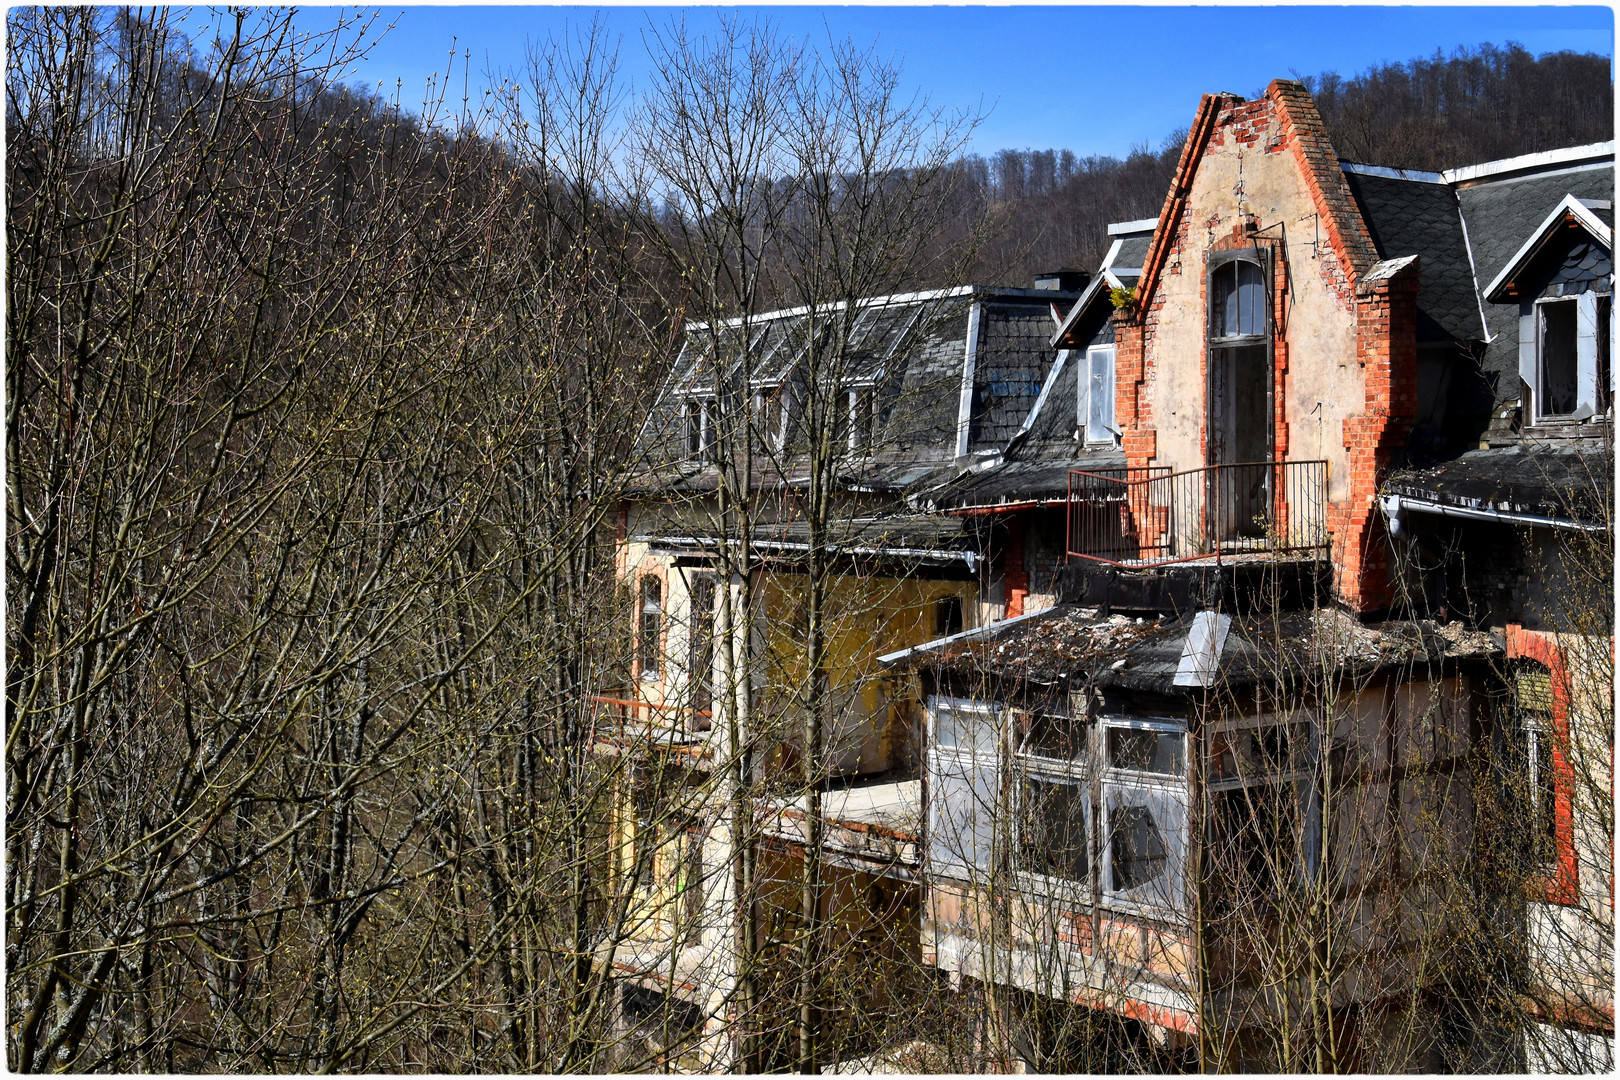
column 701, row 406
column 1104, row 432
column 1082, row 773
column 1159, row 788
column 860, row 439
column 1588, row 329
column 967, row 763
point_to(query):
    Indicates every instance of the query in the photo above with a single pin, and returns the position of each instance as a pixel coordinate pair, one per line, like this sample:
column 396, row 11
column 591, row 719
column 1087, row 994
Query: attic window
column 857, row 423
column 1570, row 378
column 698, row 423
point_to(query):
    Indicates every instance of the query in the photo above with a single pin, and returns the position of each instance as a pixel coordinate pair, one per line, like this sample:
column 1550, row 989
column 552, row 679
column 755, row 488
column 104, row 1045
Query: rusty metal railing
column 1150, row 517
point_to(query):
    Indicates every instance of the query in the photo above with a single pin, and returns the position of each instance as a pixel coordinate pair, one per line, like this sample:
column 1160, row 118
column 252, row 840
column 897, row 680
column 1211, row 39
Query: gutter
column 1394, row 506
column 943, row 558
column 902, row 655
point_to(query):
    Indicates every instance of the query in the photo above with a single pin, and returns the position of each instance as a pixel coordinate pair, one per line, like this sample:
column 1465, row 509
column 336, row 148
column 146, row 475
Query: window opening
column 1240, row 398
column 1098, row 415
column 1162, row 752
column 947, row 616
column 651, row 617
column 700, row 658
column 1559, row 384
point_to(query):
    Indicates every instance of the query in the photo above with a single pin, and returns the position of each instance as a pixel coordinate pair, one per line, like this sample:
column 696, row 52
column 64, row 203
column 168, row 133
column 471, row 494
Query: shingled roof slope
column 1416, row 217
column 1500, row 216
column 1011, row 363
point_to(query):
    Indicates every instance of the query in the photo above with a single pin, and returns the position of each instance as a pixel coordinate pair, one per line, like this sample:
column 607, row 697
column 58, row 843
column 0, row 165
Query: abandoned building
column 1169, row 610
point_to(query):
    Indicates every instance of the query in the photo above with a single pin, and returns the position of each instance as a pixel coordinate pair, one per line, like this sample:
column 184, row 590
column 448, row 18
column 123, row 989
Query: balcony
column 1153, row 517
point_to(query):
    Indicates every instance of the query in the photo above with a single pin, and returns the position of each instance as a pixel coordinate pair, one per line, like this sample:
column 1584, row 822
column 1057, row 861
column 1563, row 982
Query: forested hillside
column 1475, row 105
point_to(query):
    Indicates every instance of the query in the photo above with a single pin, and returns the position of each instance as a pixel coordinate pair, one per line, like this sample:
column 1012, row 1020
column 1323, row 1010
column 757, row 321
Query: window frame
column 967, row 764
column 700, row 405
column 1540, row 306
column 1261, row 258
column 1156, row 787
column 1109, row 433
column 649, row 646
column 1081, row 771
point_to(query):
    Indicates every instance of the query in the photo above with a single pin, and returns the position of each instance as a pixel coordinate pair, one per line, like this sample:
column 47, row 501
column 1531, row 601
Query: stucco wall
column 1259, row 183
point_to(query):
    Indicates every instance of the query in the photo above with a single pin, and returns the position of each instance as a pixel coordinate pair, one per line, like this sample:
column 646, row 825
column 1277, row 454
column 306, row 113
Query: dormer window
column 1571, row 343
column 698, row 427
column 856, row 426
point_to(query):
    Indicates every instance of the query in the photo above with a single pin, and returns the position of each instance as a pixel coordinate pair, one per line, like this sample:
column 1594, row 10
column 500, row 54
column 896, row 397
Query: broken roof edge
column 900, row 656
column 1361, row 168
column 1543, row 161
column 1570, row 205
column 954, row 292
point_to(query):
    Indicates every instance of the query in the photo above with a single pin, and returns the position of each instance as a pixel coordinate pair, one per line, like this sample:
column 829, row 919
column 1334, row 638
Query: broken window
column 1263, row 821
column 770, row 416
column 858, row 422
column 652, row 591
column 1097, row 413
column 962, row 785
column 947, row 616
column 1054, row 798
column 1558, row 358
column 1148, row 750
column 699, row 423
column 1144, row 805
column 1571, row 353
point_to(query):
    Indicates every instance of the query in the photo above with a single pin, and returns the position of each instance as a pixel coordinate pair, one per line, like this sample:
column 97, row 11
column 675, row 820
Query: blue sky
column 1095, row 80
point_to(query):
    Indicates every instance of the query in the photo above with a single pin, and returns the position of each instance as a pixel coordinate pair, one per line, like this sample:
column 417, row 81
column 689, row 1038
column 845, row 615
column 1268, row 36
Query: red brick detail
column 1563, row 885
column 1305, row 132
column 1013, row 571
column 1386, row 349
column 1171, row 217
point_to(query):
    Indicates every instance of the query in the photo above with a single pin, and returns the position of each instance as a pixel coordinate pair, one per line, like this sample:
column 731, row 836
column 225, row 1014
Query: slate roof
column 1012, row 361
column 912, row 536
column 1571, row 481
column 1420, row 217
column 1501, row 215
column 914, row 347
column 1132, row 252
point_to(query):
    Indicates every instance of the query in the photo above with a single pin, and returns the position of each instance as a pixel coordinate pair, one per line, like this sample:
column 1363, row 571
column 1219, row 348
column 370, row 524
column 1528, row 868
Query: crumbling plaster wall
column 1249, row 178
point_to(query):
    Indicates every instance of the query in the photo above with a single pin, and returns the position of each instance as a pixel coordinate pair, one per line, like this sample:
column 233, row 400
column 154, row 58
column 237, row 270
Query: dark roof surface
column 1500, row 217
column 1414, row 217
column 1132, row 252
column 1010, row 365
column 913, row 349
column 1571, row 481
column 1067, row 642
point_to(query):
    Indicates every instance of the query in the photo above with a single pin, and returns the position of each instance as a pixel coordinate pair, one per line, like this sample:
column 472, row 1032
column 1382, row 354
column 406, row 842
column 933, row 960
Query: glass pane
column 1223, row 301
column 1237, row 300
column 965, row 729
column 1138, row 852
column 1100, row 418
column 1059, row 737
column 960, row 813
column 1251, row 300
column 1052, row 834
column 1146, row 751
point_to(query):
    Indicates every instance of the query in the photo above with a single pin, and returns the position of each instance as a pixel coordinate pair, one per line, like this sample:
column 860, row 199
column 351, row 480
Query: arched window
column 1237, row 301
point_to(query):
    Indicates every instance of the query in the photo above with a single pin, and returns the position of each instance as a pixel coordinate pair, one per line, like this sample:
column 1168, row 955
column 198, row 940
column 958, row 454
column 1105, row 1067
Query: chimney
column 1062, row 280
